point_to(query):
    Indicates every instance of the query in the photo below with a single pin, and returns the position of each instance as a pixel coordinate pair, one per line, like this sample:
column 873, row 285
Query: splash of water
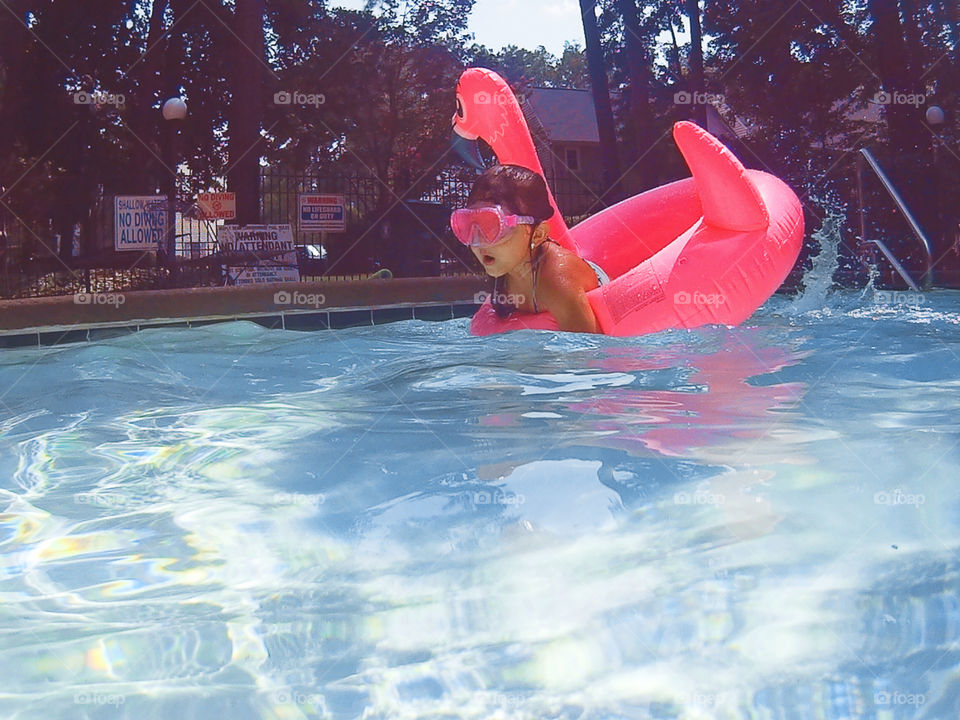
column 818, row 280
column 820, row 292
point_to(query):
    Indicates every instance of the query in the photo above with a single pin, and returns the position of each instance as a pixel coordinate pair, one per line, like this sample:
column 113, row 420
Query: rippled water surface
column 408, row 522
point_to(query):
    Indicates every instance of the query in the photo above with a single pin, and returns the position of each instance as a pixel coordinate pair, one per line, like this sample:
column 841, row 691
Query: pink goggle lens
column 484, row 226
column 476, row 227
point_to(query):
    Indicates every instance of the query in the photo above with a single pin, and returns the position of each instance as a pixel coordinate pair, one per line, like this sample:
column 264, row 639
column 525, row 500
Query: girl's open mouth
column 488, row 259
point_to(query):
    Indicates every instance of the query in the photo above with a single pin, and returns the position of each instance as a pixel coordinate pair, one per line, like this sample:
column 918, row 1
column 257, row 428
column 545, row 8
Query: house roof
column 566, row 115
column 724, row 124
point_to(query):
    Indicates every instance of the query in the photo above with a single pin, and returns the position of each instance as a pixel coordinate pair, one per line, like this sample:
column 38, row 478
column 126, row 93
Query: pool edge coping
column 56, row 320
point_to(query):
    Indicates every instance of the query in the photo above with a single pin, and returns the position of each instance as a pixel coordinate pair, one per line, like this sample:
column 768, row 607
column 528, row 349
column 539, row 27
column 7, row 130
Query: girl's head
column 517, row 191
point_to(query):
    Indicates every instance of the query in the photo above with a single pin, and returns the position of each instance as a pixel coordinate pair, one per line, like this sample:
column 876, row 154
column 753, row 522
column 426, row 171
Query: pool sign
column 140, row 221
column 323, row 213
column 217, row 206
column 274, row 253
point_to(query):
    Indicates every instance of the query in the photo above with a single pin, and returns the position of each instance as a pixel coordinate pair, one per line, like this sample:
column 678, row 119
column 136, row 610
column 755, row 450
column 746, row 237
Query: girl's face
column 508, row 254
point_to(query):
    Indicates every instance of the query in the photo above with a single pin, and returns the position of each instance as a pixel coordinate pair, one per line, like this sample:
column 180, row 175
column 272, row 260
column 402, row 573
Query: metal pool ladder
column 914, row 225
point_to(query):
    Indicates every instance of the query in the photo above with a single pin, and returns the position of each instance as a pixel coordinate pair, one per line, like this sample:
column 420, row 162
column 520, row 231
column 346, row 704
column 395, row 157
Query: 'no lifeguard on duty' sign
column 323, row 213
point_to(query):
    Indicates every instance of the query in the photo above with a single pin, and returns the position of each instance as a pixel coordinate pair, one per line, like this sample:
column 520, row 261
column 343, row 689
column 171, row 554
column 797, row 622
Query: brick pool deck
column 292, row 306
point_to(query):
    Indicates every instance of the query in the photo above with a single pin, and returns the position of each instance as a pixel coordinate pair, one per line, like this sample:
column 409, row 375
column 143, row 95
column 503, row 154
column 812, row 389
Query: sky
column 524, row 23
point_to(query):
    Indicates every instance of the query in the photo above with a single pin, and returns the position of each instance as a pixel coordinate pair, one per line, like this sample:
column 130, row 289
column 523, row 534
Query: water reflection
column 708, row 401
column 670, row 407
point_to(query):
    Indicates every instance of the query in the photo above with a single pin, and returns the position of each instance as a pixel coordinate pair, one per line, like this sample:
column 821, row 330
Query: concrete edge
column 215, row 302
column 338, row 319
column 61, row 319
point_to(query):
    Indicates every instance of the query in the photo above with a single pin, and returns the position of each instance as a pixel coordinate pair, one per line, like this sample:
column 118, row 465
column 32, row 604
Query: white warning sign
column 274, row 253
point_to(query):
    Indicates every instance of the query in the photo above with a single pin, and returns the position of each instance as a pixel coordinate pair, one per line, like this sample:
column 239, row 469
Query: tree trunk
column 247, row 64
column 638, row 86
column 911, row 29
column 601, row 101
column 170, row 83
column 155, row 32
column 953, row 12
column 673, row 58
column 697, row 87
column 150, row 79
column 64, row 227
column 903, row 119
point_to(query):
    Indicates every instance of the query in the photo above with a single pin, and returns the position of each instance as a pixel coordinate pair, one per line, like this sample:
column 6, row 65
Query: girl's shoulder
column 564, row 269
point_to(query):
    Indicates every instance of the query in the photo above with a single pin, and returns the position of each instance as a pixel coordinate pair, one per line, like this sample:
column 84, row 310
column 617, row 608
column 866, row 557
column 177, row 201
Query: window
column 573, row 158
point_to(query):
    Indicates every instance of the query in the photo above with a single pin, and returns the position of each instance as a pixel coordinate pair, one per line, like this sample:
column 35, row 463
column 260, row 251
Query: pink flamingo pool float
column 709, row 249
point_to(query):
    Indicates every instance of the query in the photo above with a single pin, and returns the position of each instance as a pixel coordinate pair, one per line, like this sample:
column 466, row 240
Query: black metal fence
column 410, row 235
column 387, row 226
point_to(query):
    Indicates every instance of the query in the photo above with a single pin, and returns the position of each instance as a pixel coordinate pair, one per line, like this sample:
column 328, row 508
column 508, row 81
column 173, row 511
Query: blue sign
column 323, row 213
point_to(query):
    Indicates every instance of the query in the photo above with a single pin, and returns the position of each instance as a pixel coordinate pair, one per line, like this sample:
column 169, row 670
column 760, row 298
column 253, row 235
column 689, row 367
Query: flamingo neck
column 519, row 152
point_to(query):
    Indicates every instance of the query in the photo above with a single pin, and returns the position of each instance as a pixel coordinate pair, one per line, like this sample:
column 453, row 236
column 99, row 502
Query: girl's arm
column 565, row 297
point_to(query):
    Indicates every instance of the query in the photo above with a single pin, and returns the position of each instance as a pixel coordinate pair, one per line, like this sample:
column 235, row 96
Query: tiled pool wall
column 305, row 321
column 53, row 321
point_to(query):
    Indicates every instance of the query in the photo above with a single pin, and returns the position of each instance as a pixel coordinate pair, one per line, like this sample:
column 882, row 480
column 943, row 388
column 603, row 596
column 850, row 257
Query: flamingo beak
column 467, row 147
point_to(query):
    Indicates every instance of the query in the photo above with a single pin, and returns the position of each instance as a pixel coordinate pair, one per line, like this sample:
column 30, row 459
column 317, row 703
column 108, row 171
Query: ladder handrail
column 896, row 264
column 914, row 225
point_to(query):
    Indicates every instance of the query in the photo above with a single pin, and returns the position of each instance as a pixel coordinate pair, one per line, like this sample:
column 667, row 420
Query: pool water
column 405, row 521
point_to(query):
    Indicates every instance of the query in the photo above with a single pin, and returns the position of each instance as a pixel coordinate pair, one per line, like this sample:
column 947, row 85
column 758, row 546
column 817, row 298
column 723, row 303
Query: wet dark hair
column 519, row 191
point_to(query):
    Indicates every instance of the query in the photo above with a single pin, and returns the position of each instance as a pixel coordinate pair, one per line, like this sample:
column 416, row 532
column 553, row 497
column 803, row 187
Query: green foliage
column 799, row 76
column 524, row 68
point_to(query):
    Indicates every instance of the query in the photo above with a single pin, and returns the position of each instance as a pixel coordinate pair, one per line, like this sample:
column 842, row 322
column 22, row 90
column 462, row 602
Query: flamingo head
column 486, row 109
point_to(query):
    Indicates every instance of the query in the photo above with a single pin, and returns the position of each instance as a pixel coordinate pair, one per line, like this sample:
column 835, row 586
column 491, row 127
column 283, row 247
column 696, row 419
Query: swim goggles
column 479, row 227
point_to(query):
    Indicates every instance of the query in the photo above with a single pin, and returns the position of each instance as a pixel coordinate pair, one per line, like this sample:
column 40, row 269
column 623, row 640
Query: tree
column 797, row 76
column 637, row 117
column 696, row 62
column 571, row 68
column 520, row 67
column 248, row 67
column 387, row 99
column 601, row 100
column 388, row 87
column 893, row 65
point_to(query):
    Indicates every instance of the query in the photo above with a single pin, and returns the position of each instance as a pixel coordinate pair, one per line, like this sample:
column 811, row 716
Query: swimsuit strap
column 502, row 310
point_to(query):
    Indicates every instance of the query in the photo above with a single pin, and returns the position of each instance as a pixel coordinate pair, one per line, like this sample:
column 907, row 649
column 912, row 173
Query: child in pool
column 504, row 225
